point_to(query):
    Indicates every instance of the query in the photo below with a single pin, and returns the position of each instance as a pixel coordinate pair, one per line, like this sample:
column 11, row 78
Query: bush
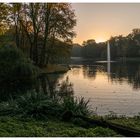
column 78, row 106
column 33, row 105
column 39, row 105
column 16, row 71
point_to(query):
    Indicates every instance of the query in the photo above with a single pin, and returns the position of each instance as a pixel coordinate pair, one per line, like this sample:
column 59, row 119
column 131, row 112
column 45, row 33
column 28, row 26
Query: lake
column 117, row 91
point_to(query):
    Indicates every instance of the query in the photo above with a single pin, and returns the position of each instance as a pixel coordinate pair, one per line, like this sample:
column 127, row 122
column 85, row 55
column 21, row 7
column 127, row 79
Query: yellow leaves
column 29, row 26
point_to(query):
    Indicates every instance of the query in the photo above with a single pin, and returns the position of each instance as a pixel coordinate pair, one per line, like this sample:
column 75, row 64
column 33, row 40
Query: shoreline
column 55, row 69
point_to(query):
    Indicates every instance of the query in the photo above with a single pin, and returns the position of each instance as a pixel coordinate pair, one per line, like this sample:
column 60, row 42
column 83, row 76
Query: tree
column 46, row 21
column 39, row 23
column 76, row 50
column 59, row 23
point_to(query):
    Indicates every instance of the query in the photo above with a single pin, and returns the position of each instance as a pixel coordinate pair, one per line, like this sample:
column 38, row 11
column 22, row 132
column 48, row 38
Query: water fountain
column 108, row 52
column 108, row 58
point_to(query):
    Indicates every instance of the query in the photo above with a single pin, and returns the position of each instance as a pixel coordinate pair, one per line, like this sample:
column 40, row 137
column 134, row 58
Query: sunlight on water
column 120, row 92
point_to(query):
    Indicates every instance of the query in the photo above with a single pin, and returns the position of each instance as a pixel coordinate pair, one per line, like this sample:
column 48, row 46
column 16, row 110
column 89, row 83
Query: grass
column 29, row 127
column 21, row 127
column 55, row 68
column 130, row 122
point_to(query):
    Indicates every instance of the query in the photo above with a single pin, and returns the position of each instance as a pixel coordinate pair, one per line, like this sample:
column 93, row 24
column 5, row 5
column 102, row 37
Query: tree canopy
column 34, row 25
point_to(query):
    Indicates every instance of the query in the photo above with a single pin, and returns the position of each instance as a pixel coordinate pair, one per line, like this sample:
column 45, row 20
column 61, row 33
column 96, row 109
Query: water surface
column 117, row 91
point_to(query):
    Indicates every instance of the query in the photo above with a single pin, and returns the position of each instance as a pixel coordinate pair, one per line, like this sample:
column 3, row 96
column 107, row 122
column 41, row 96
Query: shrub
column 78, row 106
column 16, row 71
column 32, row 104
column 39, row 105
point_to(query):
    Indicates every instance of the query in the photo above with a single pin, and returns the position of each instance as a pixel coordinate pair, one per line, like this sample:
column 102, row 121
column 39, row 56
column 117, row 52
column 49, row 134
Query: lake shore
column 55, row 68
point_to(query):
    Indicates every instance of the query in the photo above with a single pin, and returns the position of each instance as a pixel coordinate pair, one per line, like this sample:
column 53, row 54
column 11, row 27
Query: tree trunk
column 35, row 50
column 46, row 33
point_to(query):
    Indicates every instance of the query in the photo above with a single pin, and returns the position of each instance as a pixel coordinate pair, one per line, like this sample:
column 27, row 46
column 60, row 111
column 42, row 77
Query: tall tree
column 59, row 22
column 45, row 21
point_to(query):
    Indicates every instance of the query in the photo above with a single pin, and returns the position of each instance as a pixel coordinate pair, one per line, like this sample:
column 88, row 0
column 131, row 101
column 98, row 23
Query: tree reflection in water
column 47, row 84
column 120, row 72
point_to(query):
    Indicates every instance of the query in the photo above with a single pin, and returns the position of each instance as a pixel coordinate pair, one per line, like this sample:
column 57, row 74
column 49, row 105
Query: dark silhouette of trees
column 76, row 50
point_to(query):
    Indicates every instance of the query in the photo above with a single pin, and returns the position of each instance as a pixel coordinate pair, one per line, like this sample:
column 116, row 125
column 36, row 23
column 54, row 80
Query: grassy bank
column 129, row 122
column 26, row 127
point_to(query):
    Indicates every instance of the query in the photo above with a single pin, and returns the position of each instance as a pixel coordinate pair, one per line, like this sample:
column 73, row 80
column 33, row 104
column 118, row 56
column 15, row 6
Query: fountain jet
column 108, row 52
column 108, row 58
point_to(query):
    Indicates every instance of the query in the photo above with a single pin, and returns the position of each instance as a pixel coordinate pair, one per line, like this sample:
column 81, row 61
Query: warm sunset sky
column 100, row 21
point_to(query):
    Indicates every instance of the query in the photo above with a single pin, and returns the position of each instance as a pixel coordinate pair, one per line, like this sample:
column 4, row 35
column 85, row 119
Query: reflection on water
column 108, row 68
column 118, row 91
column 43, row 83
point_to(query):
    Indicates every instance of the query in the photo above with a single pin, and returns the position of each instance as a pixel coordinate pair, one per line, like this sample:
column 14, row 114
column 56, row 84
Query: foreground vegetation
column 36, row 114
column 15, row 126
column 25, row 126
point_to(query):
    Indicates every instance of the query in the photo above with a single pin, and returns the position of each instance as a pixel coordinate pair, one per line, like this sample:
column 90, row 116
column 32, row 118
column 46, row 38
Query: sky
column 100, row 21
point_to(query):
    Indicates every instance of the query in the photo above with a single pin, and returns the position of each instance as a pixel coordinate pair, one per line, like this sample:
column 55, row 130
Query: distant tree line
column 120, row 46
